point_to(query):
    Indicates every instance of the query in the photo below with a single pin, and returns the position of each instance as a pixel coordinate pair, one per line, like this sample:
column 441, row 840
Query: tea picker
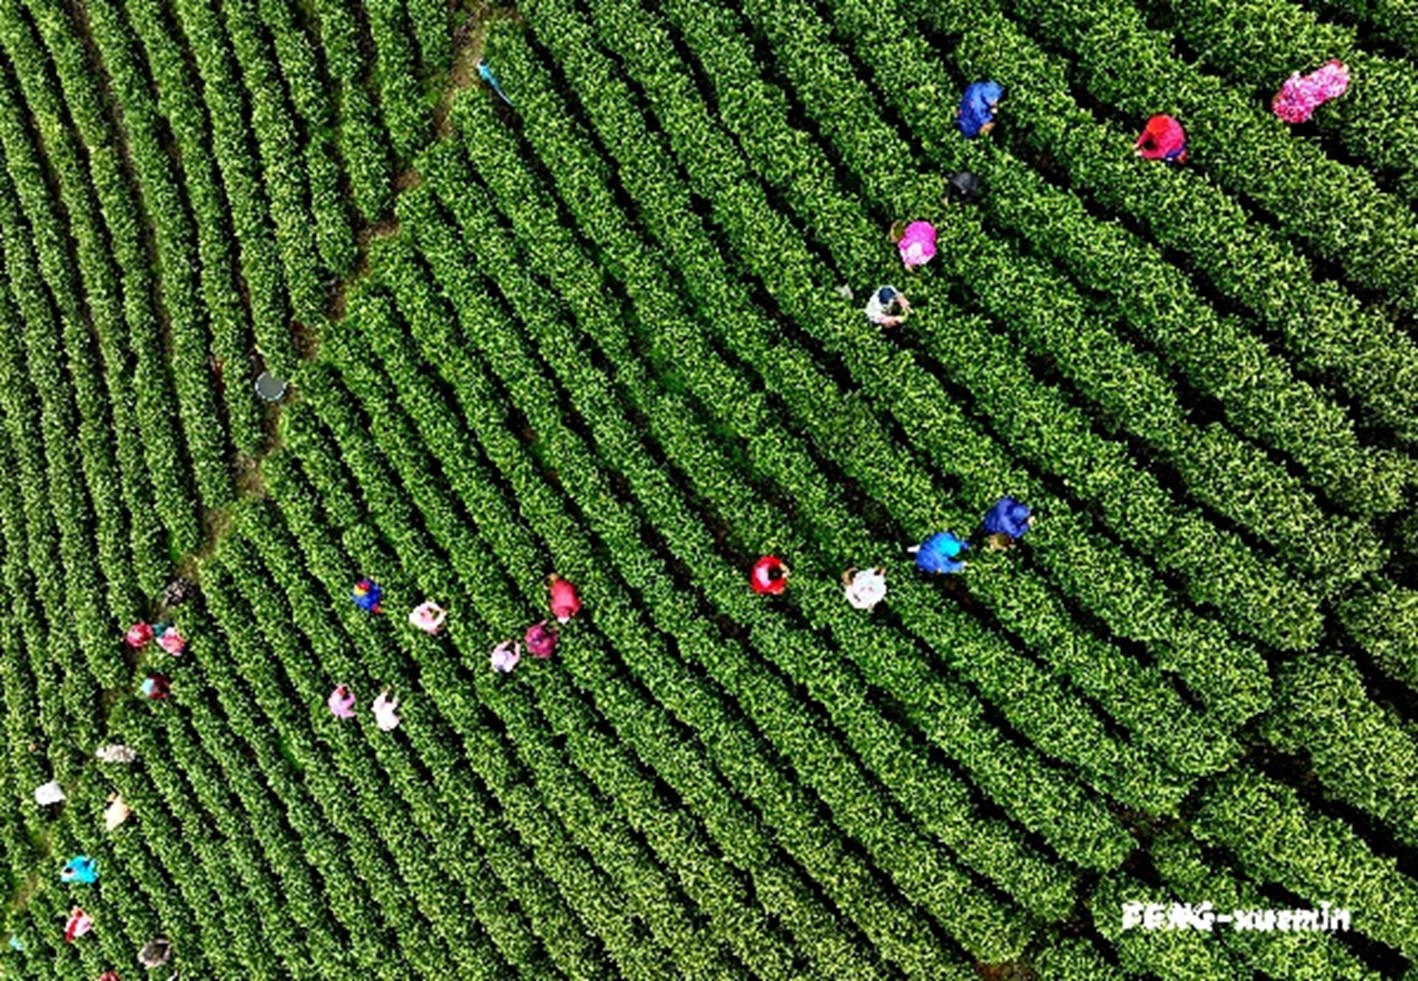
column 139, row 635
column 115, row 753
column 864, row 587
column 428, row 616
column 1162, row 139
column 178, row 591
column 170, row 639
column 964, row 187
column 769, row 576
column 1006, row 522
column 887, row 307
column 80, row 869
column 505, row 656
column 366, row 595
column 341, row 702
column 1301, row 95
column 978, row 106
column 115, row 813
column 565, row 601
column 270, row 388
column 49, row 793
column 485, row 73
column 156, row 687
column 939, row 554
column 78, row 924
column 540, row 640
column 916, row 243
column 384, row 712
column 155, row 953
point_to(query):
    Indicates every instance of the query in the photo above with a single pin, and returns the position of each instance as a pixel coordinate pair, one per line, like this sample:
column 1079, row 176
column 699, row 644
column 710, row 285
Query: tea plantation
column 605, row 319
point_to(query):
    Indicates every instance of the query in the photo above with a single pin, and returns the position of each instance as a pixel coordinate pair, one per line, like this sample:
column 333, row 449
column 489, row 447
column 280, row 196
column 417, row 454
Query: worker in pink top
column 565, row 603
column 78, row 924
column 917, row 244
column 428, row 616
column 342, row 702
column 138, row 635
column 170, row 640
column 1162, row 139
column 1301, row 95
column 540, row 640
column 505, row 656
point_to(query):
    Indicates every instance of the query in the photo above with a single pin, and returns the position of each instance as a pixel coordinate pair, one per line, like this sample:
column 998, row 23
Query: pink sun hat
column 917, row 244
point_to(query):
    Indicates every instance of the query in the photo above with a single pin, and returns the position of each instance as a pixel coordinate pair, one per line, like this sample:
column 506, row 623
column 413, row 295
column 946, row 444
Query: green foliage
column 1278, row 838
column 1384, row 618
column 1360, row 751
column 1195, row 879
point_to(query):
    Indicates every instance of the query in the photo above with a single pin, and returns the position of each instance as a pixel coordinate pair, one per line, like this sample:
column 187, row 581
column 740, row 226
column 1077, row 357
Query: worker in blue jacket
column 80, row 868
column 1007, row 522
column 940, row 553
column 978, row 106
column 366, row 595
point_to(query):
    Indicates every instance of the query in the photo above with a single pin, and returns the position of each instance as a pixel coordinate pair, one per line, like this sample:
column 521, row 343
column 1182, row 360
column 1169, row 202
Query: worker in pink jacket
column 428, row 616
column 342, row 702
column 916, row 244
column 1301, row 95
column 540, row 640
column 1162, row 139
column 505, row 656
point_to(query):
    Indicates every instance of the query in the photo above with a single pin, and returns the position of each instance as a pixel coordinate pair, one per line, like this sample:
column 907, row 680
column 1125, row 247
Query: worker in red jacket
column 1162, row 139
column 565, row 602
column 769, row 576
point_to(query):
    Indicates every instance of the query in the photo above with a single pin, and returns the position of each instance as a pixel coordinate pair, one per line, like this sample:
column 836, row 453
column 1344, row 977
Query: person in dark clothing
column 156, row 686
column 965, row 187
column 155, row 953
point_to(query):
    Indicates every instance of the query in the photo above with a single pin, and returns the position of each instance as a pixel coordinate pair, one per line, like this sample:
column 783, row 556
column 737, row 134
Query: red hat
column 769, row 575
